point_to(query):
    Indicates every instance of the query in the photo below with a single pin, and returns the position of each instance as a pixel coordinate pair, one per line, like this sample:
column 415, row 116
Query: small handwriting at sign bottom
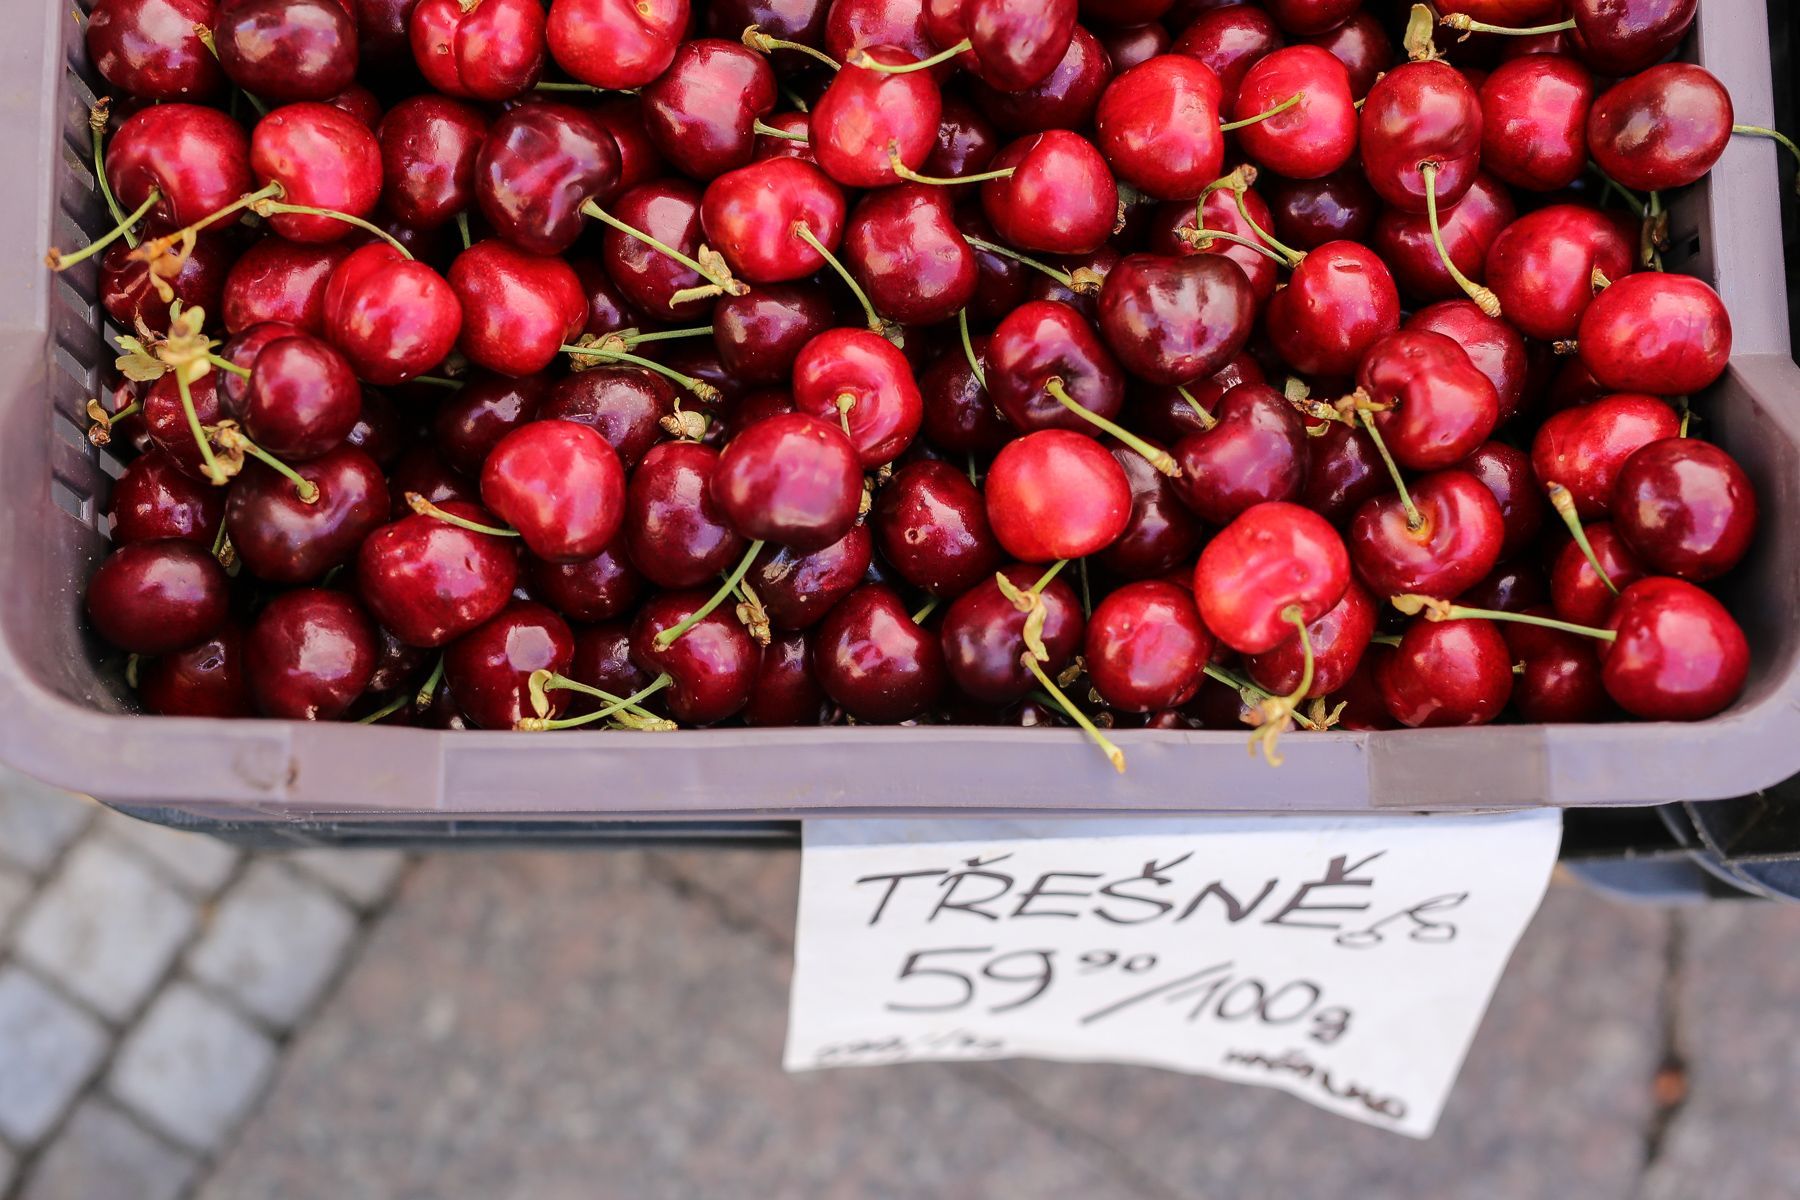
column 1346, row 961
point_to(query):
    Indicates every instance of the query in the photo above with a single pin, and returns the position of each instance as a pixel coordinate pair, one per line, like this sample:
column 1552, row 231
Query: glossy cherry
column 1272, row 559
column 1230, row 39
column 302, row 398
column 1338, row 641
column 148, row 48
column 518, row 308
column 282, row 539
column 493, row 50
column 196, row 159
column 287, row 50
column 1491, row 343
column 1056, row 494
column 1256, row 451
column 323, row 158
column 276, row 280
column 309, row 654
column 537, row 166
column 560, row 485
column 792, row 479
column 983, row 634
column 1686, row 507
column 600, row 588
column 1652, row 332
column 1161, row 535
column 796, row 590
column 1506, row 472
column 1362, row 44
column 1173, row 320
column 753, row 215
column 1339, row 301
column 874, row 660
column 158, row 597
column 1447, row 673
column 711, row 667
column 1060, row 198
column 669, row 211
column 1583, row 448
column 866, row 116
column 1041, row 342
column 615, row 44
column 674, row 531
column 624, row 405
column 1542, row 266
column 1468, row 230
column 1576, row 589
column 1419, row 113
column 1440, row 405
column 932, row 526
column 489, row 668
column 858, row 379
column 1661, row 129
column 204, row 680
column 1146, row 647
column 1343, row 470
column 1013, row 44
column 903, row 246
column 1064, row 99
column 1534, row 117
column 786, row 691
column 1558, row 676
column 391, row 317
column 1310, row 17
column 1312, row 136
column 1456, row 541
column 700, row 112
column 761, row 333
column 129, row 297
column 1158, row 126
column 155, row 499
column 1677, row 655
column 429, row 581
column 1308, row 213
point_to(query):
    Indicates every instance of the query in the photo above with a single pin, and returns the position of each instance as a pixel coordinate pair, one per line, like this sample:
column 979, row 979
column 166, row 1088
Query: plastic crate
column 67, row 711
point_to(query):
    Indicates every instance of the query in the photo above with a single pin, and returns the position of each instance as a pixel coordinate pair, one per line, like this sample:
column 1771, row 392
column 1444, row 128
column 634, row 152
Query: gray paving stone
column 9, row 1166
column 15, row 889
column 48, row 1048
column 363, row 877
column 192, row 1068
column 37, row 821
column 106, row 928
column 102, row 1155
column 199, row 864
column 273, row 943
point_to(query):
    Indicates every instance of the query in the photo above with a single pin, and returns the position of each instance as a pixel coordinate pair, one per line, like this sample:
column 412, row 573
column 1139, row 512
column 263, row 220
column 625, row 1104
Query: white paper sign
column 1347, row 961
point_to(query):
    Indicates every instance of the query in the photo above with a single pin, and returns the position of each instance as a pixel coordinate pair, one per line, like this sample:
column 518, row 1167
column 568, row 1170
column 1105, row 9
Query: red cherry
column 624, row 405
column 903, row 246
column 752, row 215
column 786, row 691
column 155, row 499
column 1146, row 647
column 1447, row 673
column 323, row 158
column 1270, row 559
column 1421, row 113
column 1308, row 213
column 276, row 280
column 1492, row 344
column 1230, row 39
column 422, row 469
column 309, row 655
column 1339, row 301
column 1617, row 39
column 1440, row 405
column 1042, row 343
column 1363, row 46
column 1686, row 507
column 623, row 117
column 615, row 44
column 1534, row 116
column 148, row 48
column 129, row 297
column 797, row 590
column 701, row 110
column 1677, row 656
column 282, row 539
column 933, row 527
column 391, row 317
column 1055, row 494
column 1308, row 17
column 1468, row 230
column 488, row 51
column 1158, row 126
column 958, row 416
column 674, row 530
column 711, row 667
column 1176, row 320
column 1577, row 590
column 600, row 588
column 1064, row 99
column 1364, row 709
column 1013, row 44
column 1161, row 534
column 158, row 597
column 874, row 660
column 560, row 485
column 1666, row 334
column 1510, row 587
column 518, row 308
column 538, row 166
column 205, row 680
column 669, row 211
column 761, row 333
column 851, row 25
column 429, row 581
column 867, row 114
column 1338, row 640
column 196, row 159
column 983, row 634
column 1314, row 135
column 1456, row 541
column 859, row 380
column 1661, row 129
column 287, row 50
column 1343, row 470
column 468, row 425
column 489, row 669
column 1506, row 472
column 1583, row 448
column 1060, row 198
column 791, row 479
column 1255, row 452
column 1560, row 680
column 302, row 399
column 1542, row 266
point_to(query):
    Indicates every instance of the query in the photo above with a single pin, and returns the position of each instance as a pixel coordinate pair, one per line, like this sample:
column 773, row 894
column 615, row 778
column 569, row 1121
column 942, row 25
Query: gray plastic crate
column 65, row 713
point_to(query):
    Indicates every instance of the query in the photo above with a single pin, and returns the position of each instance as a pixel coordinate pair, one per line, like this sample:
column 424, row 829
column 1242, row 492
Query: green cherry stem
column 426, row 508
column 225, row 364
column 1207, row 420
column 1278, row 712
column 930, row 607
column 911, row 176
column 1292, row 255
column 232, row 438
column 1292, row 100
column 1162, row 460
column 1484, row 299
column 1441, row 610
column 541, row 725
column 97, row 118
column 1413, row 520
column 1114, row 755
column 703, row 391
column 1774, row 135
column 670, row 636
column 269, row 208
column 785, row 135
column 962, row 328
column 762, row 43
column 727, row 284
column 866, row 61
column 806, row 235
column 1564, row 504
column 211, row 469
column 1199, row 239
column 1463, row 23
column 385, row 711
column 1062, row 277
column 58, row 261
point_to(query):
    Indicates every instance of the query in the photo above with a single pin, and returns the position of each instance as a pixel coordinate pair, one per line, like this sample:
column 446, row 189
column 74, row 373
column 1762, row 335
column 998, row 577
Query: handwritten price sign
column 1348, row 962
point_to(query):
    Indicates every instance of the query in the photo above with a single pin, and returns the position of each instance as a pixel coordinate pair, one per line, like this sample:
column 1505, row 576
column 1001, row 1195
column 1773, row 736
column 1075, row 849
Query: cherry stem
column 866, row 61
column 762, row 43
column 962, row 327
column 306, row 489
column 670, row 636
column 266, row 208
column 918, row 618
column 1162, row 460
column 1772, row 134
column 100, row 432
column 426, row 508
column 1114, row 755
column 1484, row 299
column 844, row 404
column 794, row 98
column 97, row 117
column 561, row 86
column 1624, row 193
column 422, row 698
column 1087, row 594
column 703, row 391
column 1653, row 221
column 462, row 228
column 385, row 711
column 1413, row 519
column 1207, row 420
column 1442, row 610
column 785, row 135
column 1463, row 23
column 1199, row 238
column 1062, row 277
column 248, row 199
column 667, row 335
column 225, row 364
column 1292, row 255
column 806, row 235
column 1292, row 100
column 1564, row 504
column 59, row 261
column 1044, row 580
column 437, row 381
column 1279, row 711
column 633, row 701
column 1240, row 685
column 907, row 173
column 212, row 470
column 544, row 681
column 729, row 285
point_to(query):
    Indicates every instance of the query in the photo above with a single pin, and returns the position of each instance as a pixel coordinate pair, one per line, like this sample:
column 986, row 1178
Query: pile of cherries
column 1137, row 363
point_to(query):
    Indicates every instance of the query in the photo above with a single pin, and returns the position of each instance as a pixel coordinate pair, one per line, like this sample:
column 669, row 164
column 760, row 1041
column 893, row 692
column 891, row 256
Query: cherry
column 755, row 217
column 711, row 667
column 1056, row 494
column 1558, row 674
column 1455, row 540
column 539, row 164
column 1506, row 472
column 493, row 50
column 989, row 630
column 1577, row 589
column 1492, row 344
column 381, row 32
column 1362, row 45
column 1230, row 39
column 1343, row 470
column 1583, row 448
column 1170, row 414
column 1044, row 342
column 667, row 210
column 489, row 669
column 1337, row 641
column 1667, row 334
column 624, row 405
column 391, row 317
column 360, row 103
column 1176, row 320
column 276, row 280
column 851, row 25
column 760, row 333
column 287, row 50
column 1254, row 452
column 933, row 527
column 957, row 415
column 560, row 485
column 423, row 469
column 518, row 308
column 1174, row 231
column 486, row 408
column 1310, row 17
column 797, row 590
column 1010, row 44
column 1510, row 587
column 867, row 119
column 1308, row 213
column 1661, row 129
column 1146, row 647
column 1161, row 534
column 1304, row 138
column 1339, row 301
column 1677, row 654
column 165, row 417
column 148, row 48
column 1273, row 560
column 1060, row 197
column 1686, row 507
column 790, row 20
column 674, row 531
column 430, row 581
column 601, row 588
column 129, row 296
column 205, row 680
column 872, row 659
column 1000, row 280
column 603, row 660
column 302, row 398
column 1420, row 115
column 1468, row 231
column 1363, row 708
column 615, row 44
column 1617, row 38
column 1440, row 405
column 380, row 432
column 1534, row 117
column 1064, row 99
column 859, row 380
column 282, row 539
column 786, row 691
column 1158, row 126
column 792, row 479
column 903, row 246
column 608, row 310
column 1086, row 272
column 309, row 654
column 158, row 597
column 701, row 110
column 966, row 140
column 623, row 117
column 1542, row 266
column 155, row 499
column 196, row 160
column 1447, row 673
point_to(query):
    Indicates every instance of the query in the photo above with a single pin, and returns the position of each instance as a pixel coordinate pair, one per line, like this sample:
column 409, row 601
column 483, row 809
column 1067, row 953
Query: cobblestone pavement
column 178, row 1019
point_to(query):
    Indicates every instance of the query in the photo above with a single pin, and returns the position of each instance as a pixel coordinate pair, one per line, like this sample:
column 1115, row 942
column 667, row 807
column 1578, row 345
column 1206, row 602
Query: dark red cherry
column 1230, row 39
column 1447, row 673
column 1063, row 99
column 560, row 485
column 1146, row 647
column 983, row 635
column 518, row 308
column 700, row 111
column 1457, row 540
column 1678, row 655
column 1273, row 558
column 1000, row 282
column 761, row 333
column 1056, row 494
column 1014, row 43
column 615, row 44
column 1534, row 116
column 158, row 597
column 391, row 317
column 1510, row 587
column 1491, row 343
column 196, row 159
column 966, row 141
column 1364, row 709
column 603, row 660
column 1158, row 126
column 712, row 667
column 792, row 479
column 287, row 50
column 489, row 668
column 1060, row 198
column 1168, row 415
column 1468, row 230
column 1161, row 534
column 1176, row 320
column 608, row 309
column 1338, row 639
column 1661, row 129
column 800, row 21
column 797, row 590
column 874, row 661
column 669, row 211
column 1362, row 45
column 1312, row 137
column 866, row 114
column 674, row 531
column 1577, row 590
column 623, row 117
column 1559, row 682
column 1617, row 39
column 1583, row 448
column 851, row 25
column 149, row 48
column 752, row 217
column 1506, row 472
column 155, row 499
column 933, row 527
column 858, row 379
column 468, row 424
column 360, row 103
column 903, row 246
column 424, row 470
column 430, row 582
column 1339, row 301
column 1308, row 213
column 282, row 539
column 1256, row 451
column 1343, row 470
column 1440, row 405
column 1419, row 113
column 275, row 280
column 538, row 165
column 1541, row 267
column 624, row 405
column 380, row 432
column 786, row 691
column 1665, row 334
column 1042, row 342
column 309, row 654
column 323, row 158
column 204, row 680
column 958, row 415
column 1129, row 45
column 302, row 398
column 1686, row 507
column 129, row 297
column 1309, row 17
column 493, row 50
column 600, row 588
column 166, row 419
